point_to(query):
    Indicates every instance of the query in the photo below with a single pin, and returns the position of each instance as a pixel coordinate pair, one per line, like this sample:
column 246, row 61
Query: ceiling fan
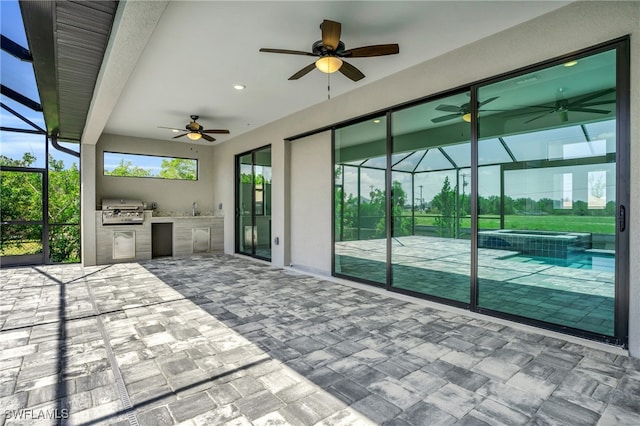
column 583, row 103
column 463, row 111
column 195, row 131
column 330, row 50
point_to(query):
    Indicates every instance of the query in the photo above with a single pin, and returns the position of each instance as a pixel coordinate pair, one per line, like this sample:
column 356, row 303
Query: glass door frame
column 621, row 301
column 622, row 162
column 238, row 201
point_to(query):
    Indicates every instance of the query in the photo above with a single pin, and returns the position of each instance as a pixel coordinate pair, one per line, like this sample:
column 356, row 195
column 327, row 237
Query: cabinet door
column 124, row 245
column 201, row 238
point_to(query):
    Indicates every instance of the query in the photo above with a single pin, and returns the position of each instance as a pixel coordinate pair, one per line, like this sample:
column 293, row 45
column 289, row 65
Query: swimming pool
column 595, row 260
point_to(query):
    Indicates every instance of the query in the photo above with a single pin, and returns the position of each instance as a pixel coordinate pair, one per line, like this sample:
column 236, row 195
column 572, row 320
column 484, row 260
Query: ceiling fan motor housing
column 319, row 49
column 193, row 127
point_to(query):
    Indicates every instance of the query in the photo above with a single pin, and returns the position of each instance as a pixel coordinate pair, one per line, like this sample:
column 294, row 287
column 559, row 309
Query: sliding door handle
column 622, row 218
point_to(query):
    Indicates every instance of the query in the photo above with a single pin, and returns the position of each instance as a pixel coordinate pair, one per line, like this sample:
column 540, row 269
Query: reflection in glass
column 546, row 199
column 245, row 204
column 360, row 201
column 254, row 203
column 430, row 249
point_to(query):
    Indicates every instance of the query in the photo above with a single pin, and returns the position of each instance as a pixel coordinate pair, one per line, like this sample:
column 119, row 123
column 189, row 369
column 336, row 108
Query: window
column 150, row 166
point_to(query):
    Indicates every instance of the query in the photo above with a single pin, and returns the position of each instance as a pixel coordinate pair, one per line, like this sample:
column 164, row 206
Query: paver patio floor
column 211, row 340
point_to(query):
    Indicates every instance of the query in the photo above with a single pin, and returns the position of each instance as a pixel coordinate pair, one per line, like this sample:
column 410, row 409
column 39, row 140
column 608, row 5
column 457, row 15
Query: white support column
column 88, row 203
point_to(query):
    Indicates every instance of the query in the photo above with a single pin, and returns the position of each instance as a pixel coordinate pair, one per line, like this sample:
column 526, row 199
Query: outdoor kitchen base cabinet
column 158, row 236
column 122, row 243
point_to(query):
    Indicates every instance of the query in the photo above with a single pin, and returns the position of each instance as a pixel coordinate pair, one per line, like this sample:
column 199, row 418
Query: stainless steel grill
column 122, row 212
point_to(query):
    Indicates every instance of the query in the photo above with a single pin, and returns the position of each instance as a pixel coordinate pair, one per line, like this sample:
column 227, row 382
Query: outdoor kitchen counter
column 190, row 234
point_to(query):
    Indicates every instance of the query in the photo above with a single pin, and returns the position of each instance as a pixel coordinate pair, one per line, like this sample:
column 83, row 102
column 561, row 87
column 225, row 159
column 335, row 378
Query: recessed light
column 239, row 86
column 175, row 130
column 570, row 63
column 377, row 120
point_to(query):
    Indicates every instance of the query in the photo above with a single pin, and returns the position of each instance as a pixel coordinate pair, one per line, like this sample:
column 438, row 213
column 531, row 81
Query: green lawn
column 19, row 248
column 593, row 224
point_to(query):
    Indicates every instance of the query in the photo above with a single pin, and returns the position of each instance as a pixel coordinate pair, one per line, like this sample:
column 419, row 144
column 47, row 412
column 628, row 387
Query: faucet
column 194, row 209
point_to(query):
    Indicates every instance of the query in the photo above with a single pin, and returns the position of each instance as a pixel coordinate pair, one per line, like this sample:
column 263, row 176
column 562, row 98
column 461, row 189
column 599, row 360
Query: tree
column 64, row 212
column 126, row 168
column 20, row 200
column 401, row 224
column 369, row 218
column 444, row 203
column 27, row 160
column 178, row 168
column 21, row 197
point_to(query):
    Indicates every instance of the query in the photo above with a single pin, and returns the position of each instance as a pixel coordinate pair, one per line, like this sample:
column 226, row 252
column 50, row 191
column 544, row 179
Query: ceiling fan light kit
column 194, row 136
column 329, row 64
column 330, row 51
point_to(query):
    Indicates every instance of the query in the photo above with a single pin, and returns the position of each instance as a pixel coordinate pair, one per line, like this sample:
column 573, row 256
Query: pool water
column 595, row 261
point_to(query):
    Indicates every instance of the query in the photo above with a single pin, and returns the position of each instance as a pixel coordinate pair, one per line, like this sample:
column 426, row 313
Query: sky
column 19, row 76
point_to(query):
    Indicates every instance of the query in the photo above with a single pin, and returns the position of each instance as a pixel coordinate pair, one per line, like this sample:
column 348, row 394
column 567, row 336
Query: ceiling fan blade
column 304, row 71
column 589, row 104
column 487, row 101
column 330, row 34
column 538, row 106
column 591, row 110
column 288, row 52
column 445, row 118
column 585, row 98
column 217, row 131
column 171, row 128
column 207, row 137
column 448, row 108
column 369, row 51
column 539, row 116
column 179, row 136
column 351, row 72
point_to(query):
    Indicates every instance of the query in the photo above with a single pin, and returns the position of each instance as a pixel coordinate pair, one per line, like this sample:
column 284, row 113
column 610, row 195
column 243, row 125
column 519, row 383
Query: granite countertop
column 182, row 214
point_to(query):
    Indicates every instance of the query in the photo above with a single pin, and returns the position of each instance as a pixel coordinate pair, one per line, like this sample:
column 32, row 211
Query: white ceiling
column 200, row 49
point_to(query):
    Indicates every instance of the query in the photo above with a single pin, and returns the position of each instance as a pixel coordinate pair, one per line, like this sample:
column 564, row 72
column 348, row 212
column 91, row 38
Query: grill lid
column 122, row 204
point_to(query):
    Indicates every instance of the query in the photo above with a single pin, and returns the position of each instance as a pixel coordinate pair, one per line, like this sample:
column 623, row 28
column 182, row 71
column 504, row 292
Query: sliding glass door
column 508, row 198
column 360, row 248
column 547, row 247
column 253, row 203
column 430, row 160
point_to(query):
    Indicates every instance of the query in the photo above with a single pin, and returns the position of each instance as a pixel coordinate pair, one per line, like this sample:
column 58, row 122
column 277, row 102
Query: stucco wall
column 577, row 26
column 310, row 212
column 171, row 195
